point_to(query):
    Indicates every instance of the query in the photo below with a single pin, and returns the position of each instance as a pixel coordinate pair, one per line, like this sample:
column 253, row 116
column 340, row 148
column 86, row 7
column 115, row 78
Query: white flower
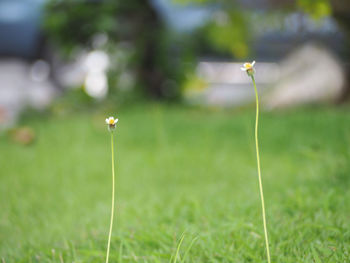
column 111, row 122
column 249, row 68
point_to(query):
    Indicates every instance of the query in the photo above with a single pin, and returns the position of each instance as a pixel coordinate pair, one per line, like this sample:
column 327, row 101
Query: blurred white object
column 309, row 75
column 96, row 84
column 96, row 65
column 23, row 85
column 97, row 60
column 82, row 70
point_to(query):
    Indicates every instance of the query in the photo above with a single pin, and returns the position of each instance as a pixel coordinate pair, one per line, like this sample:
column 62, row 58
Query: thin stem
column 112, row 210
column 259, row 172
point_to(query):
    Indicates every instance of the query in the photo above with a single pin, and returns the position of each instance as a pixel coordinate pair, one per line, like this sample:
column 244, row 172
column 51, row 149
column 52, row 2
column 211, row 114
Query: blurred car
column 20, row 28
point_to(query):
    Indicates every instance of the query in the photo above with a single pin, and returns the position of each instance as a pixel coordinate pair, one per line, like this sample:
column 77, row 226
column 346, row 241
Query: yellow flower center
column 111, row 121
column 248, row 65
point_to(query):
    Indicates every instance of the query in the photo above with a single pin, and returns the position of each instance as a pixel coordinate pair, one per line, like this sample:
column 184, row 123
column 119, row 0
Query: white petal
column 253, row 63
column 243, row 69
column 245, row 64
column 115, row 121
column 107, row 121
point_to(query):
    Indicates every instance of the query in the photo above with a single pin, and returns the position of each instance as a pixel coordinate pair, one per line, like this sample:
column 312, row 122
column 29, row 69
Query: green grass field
column 179, row 170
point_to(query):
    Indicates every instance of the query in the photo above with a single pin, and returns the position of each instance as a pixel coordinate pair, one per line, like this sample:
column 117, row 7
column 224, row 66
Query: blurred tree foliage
column 72, row 23
column 231, row 27
column 341, row 12
column 134, row 30
column 316, row 8
column 229, row 32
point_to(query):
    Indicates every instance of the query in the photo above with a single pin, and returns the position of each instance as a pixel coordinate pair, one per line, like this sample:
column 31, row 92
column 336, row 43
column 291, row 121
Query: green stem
column 112, row 210
column 259, row 172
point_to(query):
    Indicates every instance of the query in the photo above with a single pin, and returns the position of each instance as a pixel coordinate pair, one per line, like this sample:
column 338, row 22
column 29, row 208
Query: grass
column 179, row 170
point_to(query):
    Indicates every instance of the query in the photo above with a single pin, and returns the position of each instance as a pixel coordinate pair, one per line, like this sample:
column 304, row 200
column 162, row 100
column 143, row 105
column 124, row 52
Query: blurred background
column 185, row 150
column 171, row 50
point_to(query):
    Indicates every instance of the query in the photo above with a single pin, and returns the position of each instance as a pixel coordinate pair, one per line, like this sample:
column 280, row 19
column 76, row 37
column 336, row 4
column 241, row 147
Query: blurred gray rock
column 309, row 75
